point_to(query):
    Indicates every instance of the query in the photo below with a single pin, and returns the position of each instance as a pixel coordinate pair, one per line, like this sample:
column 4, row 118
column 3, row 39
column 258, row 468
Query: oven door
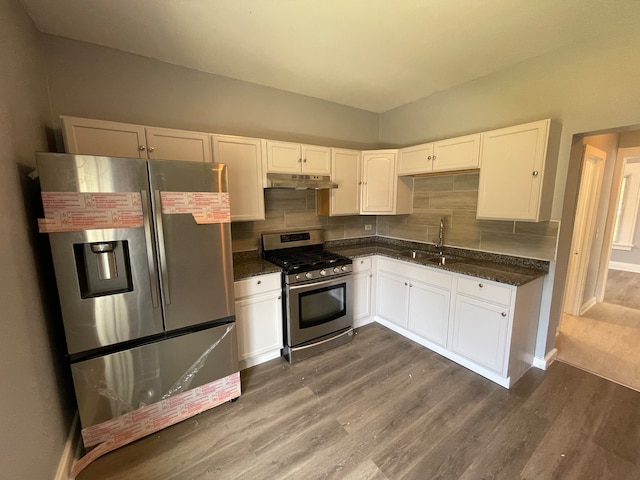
column 317, row 309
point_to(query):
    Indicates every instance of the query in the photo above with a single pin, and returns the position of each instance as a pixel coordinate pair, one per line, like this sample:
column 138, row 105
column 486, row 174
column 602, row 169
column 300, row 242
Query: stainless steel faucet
column 441, row 235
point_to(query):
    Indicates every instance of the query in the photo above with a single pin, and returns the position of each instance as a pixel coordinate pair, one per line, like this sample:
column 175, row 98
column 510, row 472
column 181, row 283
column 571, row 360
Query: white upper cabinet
column 243, row 157
column 460, row 153
column 513, row 182
column 383, row 192
column 169, row 144
column 345, row 171
column 285, row 157
column 100, row 137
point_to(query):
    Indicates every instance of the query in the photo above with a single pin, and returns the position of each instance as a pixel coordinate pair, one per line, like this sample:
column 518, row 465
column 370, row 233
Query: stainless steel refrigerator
column 145, row 284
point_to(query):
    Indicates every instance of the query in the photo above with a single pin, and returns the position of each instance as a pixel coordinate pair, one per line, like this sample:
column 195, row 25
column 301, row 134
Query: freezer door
column 112, row 385
column 107, row 281
column 195, row 260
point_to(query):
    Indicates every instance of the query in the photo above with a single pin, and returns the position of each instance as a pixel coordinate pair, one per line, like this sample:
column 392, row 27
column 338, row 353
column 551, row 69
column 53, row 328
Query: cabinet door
column 393, row 296
column 345, row 171
column 415, row 159
column 429, row 311
column 168, row 144
column 283, row 157
column 99, row 137
column 316, row 160
column 243, row 157
column 480, row 332
column 511, row 172
column 378, row 182
column 259, row 324
column 362, row 285
column 457, row 153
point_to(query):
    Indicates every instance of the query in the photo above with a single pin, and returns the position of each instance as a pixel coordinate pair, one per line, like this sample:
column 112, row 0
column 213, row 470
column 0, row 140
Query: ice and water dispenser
column 103, row 268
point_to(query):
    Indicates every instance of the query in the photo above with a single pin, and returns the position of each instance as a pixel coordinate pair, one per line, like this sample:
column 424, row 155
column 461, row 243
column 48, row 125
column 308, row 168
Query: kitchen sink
column 416, row 254
column 441, row 260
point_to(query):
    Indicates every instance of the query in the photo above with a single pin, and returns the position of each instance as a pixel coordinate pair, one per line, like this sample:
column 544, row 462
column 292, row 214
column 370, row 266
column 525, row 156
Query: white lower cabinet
column 415, row 298
column 480, row 332
column 363, row 291
column 486, row 326
column 259, row 319
column 429, row 311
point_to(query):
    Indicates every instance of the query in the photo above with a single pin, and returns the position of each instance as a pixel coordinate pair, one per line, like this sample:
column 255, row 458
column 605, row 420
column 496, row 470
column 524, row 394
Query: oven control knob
column 308, row 275
column 336, row 270
column 344, row 268
column 323, row 272
column 298, row 277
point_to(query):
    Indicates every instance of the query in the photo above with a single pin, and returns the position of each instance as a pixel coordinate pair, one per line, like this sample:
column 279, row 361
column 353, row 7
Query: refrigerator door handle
column 153, row 276
column 164, row 274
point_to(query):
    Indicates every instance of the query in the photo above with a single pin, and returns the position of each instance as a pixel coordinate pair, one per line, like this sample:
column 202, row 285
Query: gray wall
column 33, row 426
column 588, row 88
column 96, row 82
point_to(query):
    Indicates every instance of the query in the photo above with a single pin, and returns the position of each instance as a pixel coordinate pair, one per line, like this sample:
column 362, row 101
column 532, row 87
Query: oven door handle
column 319, row 284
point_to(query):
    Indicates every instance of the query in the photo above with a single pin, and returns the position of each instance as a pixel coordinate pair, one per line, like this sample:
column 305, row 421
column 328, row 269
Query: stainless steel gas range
column 317, row 292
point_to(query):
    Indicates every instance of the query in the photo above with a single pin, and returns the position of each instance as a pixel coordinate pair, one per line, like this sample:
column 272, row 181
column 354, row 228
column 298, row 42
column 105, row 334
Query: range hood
column 299, row 182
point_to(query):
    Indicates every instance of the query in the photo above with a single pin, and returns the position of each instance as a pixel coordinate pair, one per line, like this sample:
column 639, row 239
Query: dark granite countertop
column 489, row 266
column 249, row 264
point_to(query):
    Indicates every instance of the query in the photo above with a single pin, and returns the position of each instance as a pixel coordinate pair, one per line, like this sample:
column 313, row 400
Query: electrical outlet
column 368, row 227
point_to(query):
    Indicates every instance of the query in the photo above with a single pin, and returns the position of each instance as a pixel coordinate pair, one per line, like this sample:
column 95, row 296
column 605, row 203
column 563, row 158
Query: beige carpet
column 604, row 341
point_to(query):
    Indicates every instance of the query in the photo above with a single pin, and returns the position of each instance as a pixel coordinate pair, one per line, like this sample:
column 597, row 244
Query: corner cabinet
column 516, row 181
column 243, row 157
column 383, row 192
column 114, row 139
column 285, row 157
column 259, row 319
column 461, row 153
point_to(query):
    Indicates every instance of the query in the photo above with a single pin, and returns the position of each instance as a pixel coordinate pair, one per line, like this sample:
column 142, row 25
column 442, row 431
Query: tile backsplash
column 452, row 197
column 293, row 209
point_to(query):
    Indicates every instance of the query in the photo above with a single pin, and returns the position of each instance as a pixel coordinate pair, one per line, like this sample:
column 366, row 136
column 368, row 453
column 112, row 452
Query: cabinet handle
column 410, row 285
column 480, row 285
column 535, row 173
column 429, row 157
column 259, row 282
column 371, row 275
column 279, row 297
column 434, row 157
column 504, row 314
column 304, row 161
column 142, row 148
column 299, row 160
column 151, row 149
column 405, row 284
column 361, row 262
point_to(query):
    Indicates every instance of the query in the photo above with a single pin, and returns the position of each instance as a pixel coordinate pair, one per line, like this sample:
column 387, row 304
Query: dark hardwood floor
column 384, row 407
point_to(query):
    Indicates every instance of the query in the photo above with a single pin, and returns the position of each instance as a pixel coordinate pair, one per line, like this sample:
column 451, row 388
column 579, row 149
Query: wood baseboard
column 71, row 451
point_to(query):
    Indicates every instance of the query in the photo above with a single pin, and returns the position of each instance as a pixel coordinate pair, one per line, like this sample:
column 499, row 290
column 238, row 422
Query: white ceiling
column 370, row 54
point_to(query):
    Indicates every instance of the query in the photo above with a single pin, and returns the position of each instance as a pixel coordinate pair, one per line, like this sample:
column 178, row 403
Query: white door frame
column 593, row 162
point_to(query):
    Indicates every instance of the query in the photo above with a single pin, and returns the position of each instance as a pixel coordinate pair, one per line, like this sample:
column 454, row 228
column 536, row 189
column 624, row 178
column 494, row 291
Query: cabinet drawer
column 485, row 290
column 361, row 264
column 257, row 285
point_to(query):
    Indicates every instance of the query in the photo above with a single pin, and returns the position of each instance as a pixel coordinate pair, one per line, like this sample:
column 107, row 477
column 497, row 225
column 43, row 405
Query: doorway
column 600, row 326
